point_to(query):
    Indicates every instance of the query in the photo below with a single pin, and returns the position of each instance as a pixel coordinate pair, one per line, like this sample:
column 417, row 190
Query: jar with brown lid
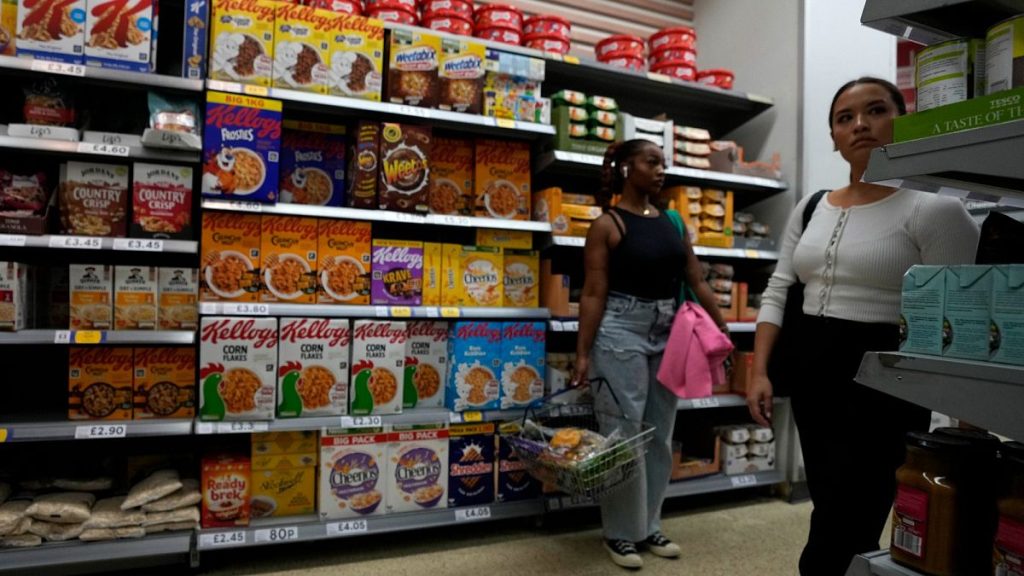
column 1008, row 551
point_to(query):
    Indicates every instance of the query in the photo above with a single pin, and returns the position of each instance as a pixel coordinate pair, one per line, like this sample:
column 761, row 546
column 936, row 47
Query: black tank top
column 650, row 260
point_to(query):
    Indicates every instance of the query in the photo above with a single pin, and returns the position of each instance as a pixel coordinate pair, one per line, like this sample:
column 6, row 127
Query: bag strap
column 687, row 294
column 812, row 204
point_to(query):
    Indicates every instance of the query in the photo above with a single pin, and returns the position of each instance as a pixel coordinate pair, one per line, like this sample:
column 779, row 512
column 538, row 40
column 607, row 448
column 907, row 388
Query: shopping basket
column 603, row 470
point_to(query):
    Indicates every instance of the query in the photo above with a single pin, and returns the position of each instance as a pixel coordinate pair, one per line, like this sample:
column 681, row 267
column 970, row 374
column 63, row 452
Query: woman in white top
column 860, row 241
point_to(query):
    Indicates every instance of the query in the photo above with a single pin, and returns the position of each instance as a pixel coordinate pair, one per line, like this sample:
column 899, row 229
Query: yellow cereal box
column 481, row 276
column 432, row 274
column 135, row 294
column 303, row 37
column 242, row 41
column 581, row 212
column 231, row 257
column 547, row 207
column 288, row 247
column 272, row 443
column 178, row 294
column 502, row 179
column 451, row 255
column 100, row 383
column 344, row 254
column 522, row 278
column 357, row 60
column 514, row 239
column 165, row 383
column 92, row 293
column 284, row 484
column 451, row 176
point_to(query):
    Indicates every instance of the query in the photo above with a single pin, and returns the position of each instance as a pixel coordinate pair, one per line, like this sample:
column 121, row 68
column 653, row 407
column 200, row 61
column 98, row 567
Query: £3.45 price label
column 281, row 534
column 361, row 421
column 235, row 538
column 471, row 514
column 349, row 527
column 58, row 68
column 743, row 481
column 139, row 244
column 77, row 242
column 101, row 431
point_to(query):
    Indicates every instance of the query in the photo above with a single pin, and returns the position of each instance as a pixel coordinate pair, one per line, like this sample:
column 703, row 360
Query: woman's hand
column 759, row 400
column 580, row 371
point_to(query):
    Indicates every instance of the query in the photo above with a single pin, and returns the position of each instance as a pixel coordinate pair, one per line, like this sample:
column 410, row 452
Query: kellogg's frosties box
column 241, row 147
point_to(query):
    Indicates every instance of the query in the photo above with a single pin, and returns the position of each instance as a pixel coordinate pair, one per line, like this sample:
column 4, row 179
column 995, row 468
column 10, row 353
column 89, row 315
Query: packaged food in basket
column 231, row 257
column 314, row 372
column 502, row 179
column 161, row 201
column 357, row 63
column 475, row 356
column 397, row 272
column 353, row 468
column 13, row 296
column 378, row 364
column 242, row 41
column 522, row 356
column 514, row 482
column 227, row 490
column 288, row 248
column 237, row 368
column 522, row 279
column 313, row 163
column 412, row 69
column 94, row 199
column 100, row 383
column 364, row 163
column 461, row 71
column 119, row 34
column 471, row 464
column 418, row 468
column 241, row 145
column 344, row 252
column 451, row 176
column 303, row 36
column 405, row 152
column 426, row 365
column 165, row 383
column 178, row 297
column 51, row 30
column 135, row 297
column 92, row 296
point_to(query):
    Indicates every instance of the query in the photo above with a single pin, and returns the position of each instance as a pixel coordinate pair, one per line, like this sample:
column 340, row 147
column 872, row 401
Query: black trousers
column 852, row 440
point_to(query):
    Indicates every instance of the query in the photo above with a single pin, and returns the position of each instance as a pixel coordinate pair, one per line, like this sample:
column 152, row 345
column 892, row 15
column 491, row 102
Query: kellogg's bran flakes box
column 514, row 482
column 473, row 376
column 522, row 359
column 237, row 368
column 314, row 371
column 51, row 30
column 417, row 476
column 302, row 47
column 165, row 383
column 288, row 247
column 502, row 179
column 119, row 34
column 412, row 68
column 426, row 364
column 405, row 152
column 471, row 459
column 451, row 176
column 378, row 364
column 357, row 59
column 230, row 257
column 432, row 272
column 522, row 279
column 353, row 470
column 313, row 164
column 100, row 383
column 242, row 41
column 227, row 489
column 397, row 272
column 241, row 144
column 344, row 254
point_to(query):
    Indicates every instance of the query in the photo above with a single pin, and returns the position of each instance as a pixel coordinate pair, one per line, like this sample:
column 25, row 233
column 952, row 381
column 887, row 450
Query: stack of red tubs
column 400, row 11
column 345, row 6
column 451, row 16
column 621, row 50
column 499, row 23
column 673, row 52
column 548, row 33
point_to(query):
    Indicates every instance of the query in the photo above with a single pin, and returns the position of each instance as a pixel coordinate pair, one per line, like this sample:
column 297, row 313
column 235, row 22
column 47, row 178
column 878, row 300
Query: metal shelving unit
column 878, row 564
column 343, row 311
column 418, row 416
column 58, row 427
column 67, row 337
column 706, row 251
column 930, row 22
column 89, row 149
column 100, row 556
column 138, row 79
column 58, row 242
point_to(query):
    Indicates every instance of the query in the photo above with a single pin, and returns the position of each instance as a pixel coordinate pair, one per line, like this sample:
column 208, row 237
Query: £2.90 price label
column 361, row 421
column 78, row 242
column 236, row 538
column 101, row 431
column 139, row 244
column 282, row 534
column 743, row 481
column 472, row 514
column 346, row 528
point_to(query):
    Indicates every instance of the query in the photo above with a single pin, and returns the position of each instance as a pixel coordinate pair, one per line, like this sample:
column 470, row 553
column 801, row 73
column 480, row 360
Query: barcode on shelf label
column 472, row 514
column 361, row 421
column 245, row 309
column 742, row 481
column 80, row 242
column 449, row 220
column 282, row 534
column 241, row 427
column 349, row 527
column 103, row 149
column 58, row 68
column 907, row 542
column 101, row 431
column 139, row 244
column 62, row 337
column 12, row 239
column 236, row 538
column 711, row 402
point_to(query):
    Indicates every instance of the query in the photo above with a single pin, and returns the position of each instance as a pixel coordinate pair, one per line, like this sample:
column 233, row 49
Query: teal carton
column 968, row 312
column 1007, row 328
column 921, row 325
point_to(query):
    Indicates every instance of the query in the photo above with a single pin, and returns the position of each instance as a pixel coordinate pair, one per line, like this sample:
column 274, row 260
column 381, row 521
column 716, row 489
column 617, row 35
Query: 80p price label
column 282, row 534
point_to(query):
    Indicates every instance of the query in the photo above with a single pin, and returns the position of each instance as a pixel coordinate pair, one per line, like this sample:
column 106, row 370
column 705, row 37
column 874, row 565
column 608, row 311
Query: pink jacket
column 695, row 354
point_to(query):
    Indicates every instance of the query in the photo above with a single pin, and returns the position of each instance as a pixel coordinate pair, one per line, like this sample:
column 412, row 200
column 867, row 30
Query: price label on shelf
column 576, row 410
column 58, row 68
column 401, row 312
column 245, row 309
column 208, row 308
column 347, row 528
column 743, row 481
column 62, row 337
column 101, row 431
column 449, row 312
column 76, row 242
column 449, row 220
column 247, row 206
column 361, row 421
column 139, row 244
column 103, row 149
column 659, row 77
column 751, row 253
column 281, row 534
column 472, row 514
column 433, row 312
column 235, row 538
column 381, row 311
column 88, row 336
column 570, row 59
column 505, row 123
column 473, row 416
column 261, row 91
column 241, row 427
column 414, row 111
column 711, row 402
column 12, row 239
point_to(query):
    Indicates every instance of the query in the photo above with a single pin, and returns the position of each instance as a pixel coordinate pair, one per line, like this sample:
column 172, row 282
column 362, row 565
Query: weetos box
column 471, row 458
column 412, row 69
column 100, row 383
column 353, row 470
column 922, row 329
column 344, row 253
column 288, row 246
column 451, row 176
column 165, row 383
column 242, row 41
column 968, row 312
column 231, row 257
column 1007, row 314
column 357, row 59
column 378, row 362
column 522, row 363
column 314, row 371
column 118, row 34
column 418, row 468
column 241, row 144
column 302, row 40
column 405, row 167
column 51, row 30
column 522, row 279
column 397, row 272
column 227, row 490
column 313, row 164
column 502, row 179
column 473, row 377
column 237, row 368
column 426, row 365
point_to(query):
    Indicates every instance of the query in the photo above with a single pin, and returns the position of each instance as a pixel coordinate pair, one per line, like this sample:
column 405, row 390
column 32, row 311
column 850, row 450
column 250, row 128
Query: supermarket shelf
column 437, row 118
column 343, row 311
column 471, row 222
column 148, row 551
column 418, row 416
column 930, row 22
column 984, row 394
column 58, row 427
column 63, row 147
column 706, row 485
column 59, row 242
column 978, row 164
column 706, row 251
column 878, row 564
column 716, row 401
column 102, row 74
column 573, row 325
column 308, row 528
column 569, row 241
column 98, row 337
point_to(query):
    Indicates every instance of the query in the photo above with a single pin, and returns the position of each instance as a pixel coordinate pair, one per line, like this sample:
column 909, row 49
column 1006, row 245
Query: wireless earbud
column 625, row 171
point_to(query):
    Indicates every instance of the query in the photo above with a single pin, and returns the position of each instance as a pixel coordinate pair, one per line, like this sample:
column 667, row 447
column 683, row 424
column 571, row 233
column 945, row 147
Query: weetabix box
column 522, row 363
column 289, row 249
column 237, row 368
column 473, row 375
column 51, row 30
column 426, row 364
column 471, row 464
column 303, row 36
column 922, row 328
column 412, row 68
column 1008, row 314
column 241, row 146
column 230, row 257
column 314, row 367
column 451, row 176
column 119, row 34
column 242, row 41
column 502, row 179
column 397, row 276
column 378, row 365
column 165, row 383
column 514, row 482
column 344, row 249
column 313, row 164
column 357, row 59
column 461, row 72
column 968, row 312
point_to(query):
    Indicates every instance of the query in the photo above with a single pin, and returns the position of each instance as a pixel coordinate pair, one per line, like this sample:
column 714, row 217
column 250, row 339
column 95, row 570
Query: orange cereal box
column 357, row 61
column 547, row 207
column 522, row 279
column 231, row 257
column 227, row 491
column 242, row 41
column 344, row 254
column 302, row 45
column 178, row 294
column 165, row 383
column 289, row 271
column 92, row 294
column 432, row 274
column 502, row 179
column 135, row 295
column 100, row 383
column 451, row 178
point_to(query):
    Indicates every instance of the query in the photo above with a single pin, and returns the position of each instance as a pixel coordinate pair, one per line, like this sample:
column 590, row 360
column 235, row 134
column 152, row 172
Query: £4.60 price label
column 282, row 534
column 472, row 514
column 101, row 431
column 743, row 481
column 361, row 421
column 235, row 538
column 139, row 244
column 347, row 528
column 103, row 149
column 80, row 242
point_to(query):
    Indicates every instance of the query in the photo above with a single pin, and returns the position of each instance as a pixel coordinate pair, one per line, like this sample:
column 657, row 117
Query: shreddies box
column 313, row 164
column 471, row 460
column 353, row 469
column 241, row 144
column 426, row 365
column 237, row 368
column 522, row 359
column 177, row 293
column 1008, row 315
column 161, row 201
column 451, row 176
column 522, row 279
column 92, row 296
column 418, row 468
column 242, row 41
column 135, row 297
column 344, row 254
column 227, row 490
column 502, row 179
column 357, row 59
column 397, row 272
column 405, row 153
column 378, row 364
column 100, row 383
column 314, row 372
column 165, row 383
column 303, row 37
column 230, row 257
column 288, row 246
column 473, row 376
column 52, row 30
column 119, row 34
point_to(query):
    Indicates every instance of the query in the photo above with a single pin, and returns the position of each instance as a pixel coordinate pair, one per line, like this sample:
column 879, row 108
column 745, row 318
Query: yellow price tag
column 255, row 90
column 472, row 416
column 3, row 435
column 88, row 337
column 505, row 123
column 450, row 313
column 659, row 77
column 570, row 59
column 401, row 312
column 752, row 253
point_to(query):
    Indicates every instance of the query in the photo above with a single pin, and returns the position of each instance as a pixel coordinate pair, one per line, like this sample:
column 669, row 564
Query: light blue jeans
column 627, row 353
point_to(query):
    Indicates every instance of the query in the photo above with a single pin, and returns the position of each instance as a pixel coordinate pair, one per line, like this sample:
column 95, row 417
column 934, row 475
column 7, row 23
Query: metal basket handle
column 599, row 381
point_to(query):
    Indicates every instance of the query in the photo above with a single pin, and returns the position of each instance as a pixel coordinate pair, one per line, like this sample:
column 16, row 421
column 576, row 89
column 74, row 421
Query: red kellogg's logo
column 512, row 157
column 305, row 228
column 343, row 233
column 262, row 11
column 381, row 330
column 527, row 330
column 316, row 329
column 489, row 331
column 438, row 331
column 240, row 118
column 181, row 358
column 118, row 359
column 454, row 155
column 226, row 221
column 244, row 330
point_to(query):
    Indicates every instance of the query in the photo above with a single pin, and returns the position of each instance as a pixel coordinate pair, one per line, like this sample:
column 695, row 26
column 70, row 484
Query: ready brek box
column 241, row 146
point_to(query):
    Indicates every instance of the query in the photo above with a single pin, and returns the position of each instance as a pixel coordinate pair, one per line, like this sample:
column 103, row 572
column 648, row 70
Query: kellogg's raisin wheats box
column 353, row 474
column 378, row 364
column 502, row 179
column 404, row 167
column 471, row 459
column 314, row 371
column 451, row 176
column 237, row 368
column 241, row 145
column 474, row 350
column 357, row 62
column 426, row 364
column 242, row 41
column 522, row 363
column 397, row 273
column 313, row 164
column 344, row 254
column 161, row 201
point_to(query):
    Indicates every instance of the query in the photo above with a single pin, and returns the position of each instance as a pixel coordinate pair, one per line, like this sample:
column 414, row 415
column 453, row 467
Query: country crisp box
column 241, row 146
column 471, row 459
column 161, row 201
column 473, row 376
column 237, row 368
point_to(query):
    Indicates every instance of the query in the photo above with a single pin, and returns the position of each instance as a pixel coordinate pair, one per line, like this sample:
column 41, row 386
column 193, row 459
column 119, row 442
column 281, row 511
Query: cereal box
column 451, row 176
column 194, row 40
column 314, row 371
column 237, row 368
column 283, row 485
column 418, row 468
column 432, row 272
column 100, row 383
column 288, row 247
column 378, row 365
column 426, row 365
column 507, row 239
column 231, row 257
column 227, row 490
column 92, row 296
column 357, row 59
column 178, row 297
column 522, row 279
column 502, row 179
column 13, row 296
column 302, row 47
column 451, row 293
column 352, row 474
column 364, row 163
column 412, row 68
column 9, row 24
column 461, row 72
column 119, row 34
column 522, row 363
column 135, row 297
column 547, row 207
column 397, row 272
column 165, row 383
column 471, row 458
column 313, row 164
column 274, row 443
column 94, row 199
column 52, row 30
column 514, row 482
column 161, row 201
column 344, row 254
column 473, row 376
column 481, row 276
column 241, row 144
column 404, row 167
column 242, row 41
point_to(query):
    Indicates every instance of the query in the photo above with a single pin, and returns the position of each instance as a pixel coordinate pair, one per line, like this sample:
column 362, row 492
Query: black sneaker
column 661, row 546
column 624, row 553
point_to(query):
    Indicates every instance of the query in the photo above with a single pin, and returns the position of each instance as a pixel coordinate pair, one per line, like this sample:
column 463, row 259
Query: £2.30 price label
column 280, row 534
column 361, row 421
column 347, row 528
column 472, row 514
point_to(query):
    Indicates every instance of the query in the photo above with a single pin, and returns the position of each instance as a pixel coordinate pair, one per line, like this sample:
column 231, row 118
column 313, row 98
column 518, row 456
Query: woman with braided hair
column 636, row 262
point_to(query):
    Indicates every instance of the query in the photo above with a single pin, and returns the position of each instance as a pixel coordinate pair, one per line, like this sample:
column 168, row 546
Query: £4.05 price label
column 139, row 244
column 349, row 527
column 103, row 149
column 58, row 68
column 472, row 514
column 246, row 309
column 361, row 421
column 281, row 534
column 77, row 242
column 235, row 538
column 743, row 481
column 101, row 431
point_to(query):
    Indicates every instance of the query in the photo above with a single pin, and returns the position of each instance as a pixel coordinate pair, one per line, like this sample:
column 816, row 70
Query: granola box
column 412, row 68
column 405, row 153
column 135, row 297
column 426, row 365
column 227, row 490
column 417, row 476
column 52, row 30
column 397, row 276
column 364, row 163
column 451, row 176
column 178, row 298
column 94, row 199
column 502, row 179
column 314, row 372
column 461, row 73
column 474, row 349
column 241, row 145
column 522, row 363
column 514, row 482
column 344, row 253
column 242, row 41
column 100, row 383
column 161, row 201
column 13, row 296
column 119, row 34
column 230, row 257
column 288, row 246
column 92, row 296
column 432, row 273
column 353, row 471
column 302, row 47
column 313, row 164
column 378, row 365
column 164, row 383
column 522, row 279
column 471, row 464
column 357, row 59
column 237, row 368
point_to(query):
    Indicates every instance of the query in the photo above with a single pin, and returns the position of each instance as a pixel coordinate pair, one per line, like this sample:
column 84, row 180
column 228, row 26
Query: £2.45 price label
column 235, row 538
column 347, row 528
column 472, row 514
column 280, row 534
column 101, row 431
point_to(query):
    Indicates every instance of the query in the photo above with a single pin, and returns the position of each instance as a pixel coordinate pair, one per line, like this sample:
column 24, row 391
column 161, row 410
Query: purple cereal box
column 241, row 144
column 313, row 164
column 522, row 363
column 397, row 273
column 474, row 369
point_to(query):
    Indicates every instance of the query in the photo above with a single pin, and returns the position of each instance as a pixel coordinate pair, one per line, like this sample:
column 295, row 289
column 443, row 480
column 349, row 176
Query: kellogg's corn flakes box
column 502, row 179
column 314, row 372
column 522, row 363
column 418, row 468
column 344, row 254
column 426, row 364
column 242, row 41
column 357, row 58
column 230, row 257
column 412, row 68
column 474, row 374
column 288, row 247
column 522, row 279
column 451, row 176
column 471, row 464
column 397, row 272
column 241, row 145
column 237, row 368
column 302, row 47
column 378, row 365
column 353, row 472
column 313, row 163
column 514, row 482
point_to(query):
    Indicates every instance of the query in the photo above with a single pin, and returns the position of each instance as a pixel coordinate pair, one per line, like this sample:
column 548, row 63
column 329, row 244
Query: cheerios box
column 344, row 255
column 100, row 383
column 242, row 41
column 418, row 468
column 480, row 276
column 397, row 276
column 230, row 257
column 288, row 247
column 241, row 147
column 51, row 30
column 522, row 363
column 378, row 365
column 313, row 163
column 313, row 373
column 353, row 474
column 475, row 370
column 119, row 33
column 522, row 279
column 237, row 368
column 472, row 453
column 426, row 364
column 164, row 381
column 302, row 42
column 501, row 180
column 514, row 482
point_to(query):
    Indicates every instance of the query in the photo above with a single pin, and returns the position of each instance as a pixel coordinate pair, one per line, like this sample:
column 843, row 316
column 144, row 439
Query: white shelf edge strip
column 93, row 72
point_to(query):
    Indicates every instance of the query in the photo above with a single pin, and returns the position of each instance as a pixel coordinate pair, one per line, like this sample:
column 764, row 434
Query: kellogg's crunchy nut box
column 241, row 144
column 378, row 365
column 522, row 279
column 432, row 273
column 227, row 490
column 412, row 68
column 451, row 176
column 397, row 272
column 288, row 247
column 230, row 257
column 426, row 364
column 353, row 472
column 178, row 295
column 471, row 459
column 237, row 368
column 357, row 59
column 94, row 199
column 314, row 371
column 344, row 254
column 502, row 179
column 119, row 34
column 242, row 41
column 303, row 37
column 313, row 163
column 418, row 468
column 51, row 30
column 405, row 153
column 461, row 71
column 100, row 383
column 522, row 359
column 364, row 163
column 473, row 376
column 165, row 383
column 161, row 201
column 92, row 296
column 135, row 297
